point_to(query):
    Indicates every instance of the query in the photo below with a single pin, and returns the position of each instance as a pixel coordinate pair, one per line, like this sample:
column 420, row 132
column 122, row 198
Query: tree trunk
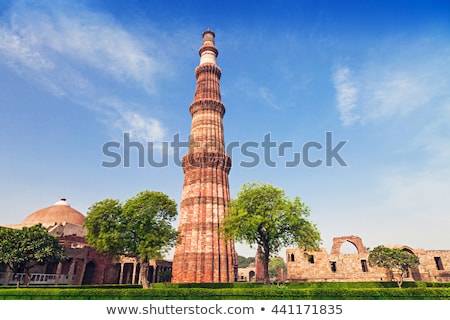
column 143, row 275
column 400, row 279
column 391, row 274
column 16, row 277
column 27, row 278
column 266, row 256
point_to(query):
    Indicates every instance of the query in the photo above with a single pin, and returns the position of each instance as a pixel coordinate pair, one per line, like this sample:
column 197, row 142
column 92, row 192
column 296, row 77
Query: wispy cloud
column 402, row 90
column 139, row 126
column 257, row 92
column 268, row 97
column 394, row 81
column 18, row 52
column 346, row 95
column 78, row 54
column 104, row 46
column 410, row 85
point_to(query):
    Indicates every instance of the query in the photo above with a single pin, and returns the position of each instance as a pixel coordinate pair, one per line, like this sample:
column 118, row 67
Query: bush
column 237, row 291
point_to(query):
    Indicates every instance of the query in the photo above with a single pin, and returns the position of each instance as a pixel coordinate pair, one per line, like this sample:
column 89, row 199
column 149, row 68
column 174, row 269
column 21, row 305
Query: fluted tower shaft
column 203, row 255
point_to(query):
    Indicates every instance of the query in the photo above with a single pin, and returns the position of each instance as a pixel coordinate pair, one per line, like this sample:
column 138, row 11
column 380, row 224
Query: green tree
column 244, row 262
column 104, row 224
column 275, row 264
column 394, row 260
column 140, row 228
column 22, row 249
column 263, row 215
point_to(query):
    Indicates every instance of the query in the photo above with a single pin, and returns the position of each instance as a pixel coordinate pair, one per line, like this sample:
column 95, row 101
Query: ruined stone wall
column 247, row 274
column 335, row 266
column 321, row 266
column 434, row 265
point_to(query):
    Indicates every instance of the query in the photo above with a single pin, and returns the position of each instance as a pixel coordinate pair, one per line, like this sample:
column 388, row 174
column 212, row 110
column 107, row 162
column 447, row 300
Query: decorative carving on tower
column 203, row 255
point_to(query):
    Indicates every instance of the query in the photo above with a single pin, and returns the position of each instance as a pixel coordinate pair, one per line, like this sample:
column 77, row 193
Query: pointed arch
column 356, row 241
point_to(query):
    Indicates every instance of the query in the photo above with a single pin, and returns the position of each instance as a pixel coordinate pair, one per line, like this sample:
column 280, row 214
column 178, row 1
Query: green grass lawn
column 238, row 291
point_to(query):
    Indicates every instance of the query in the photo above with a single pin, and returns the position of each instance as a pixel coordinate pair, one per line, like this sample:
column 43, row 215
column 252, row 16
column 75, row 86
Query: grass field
column 238, row 291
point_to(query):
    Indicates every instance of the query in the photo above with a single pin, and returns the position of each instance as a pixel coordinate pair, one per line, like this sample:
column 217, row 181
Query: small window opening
column 438, row 261
column 292, row 257
column 364, row 266
column 333, row 266
column 310, row 258
column 407, row 274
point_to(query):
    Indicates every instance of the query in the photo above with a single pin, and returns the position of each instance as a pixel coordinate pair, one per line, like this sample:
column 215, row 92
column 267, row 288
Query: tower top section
column 208, row 51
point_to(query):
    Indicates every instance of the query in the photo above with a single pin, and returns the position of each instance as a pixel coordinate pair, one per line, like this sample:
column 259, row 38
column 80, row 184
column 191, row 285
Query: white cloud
column 398, row 93
column 148, row 129
column 122, row 117
column 394, row 81
column 346, row 93
column 106, row 47
column 81, row 55
column 36, row 37
column 268, row 97
column 402, row 90
column 255, row 91
column 16, row 51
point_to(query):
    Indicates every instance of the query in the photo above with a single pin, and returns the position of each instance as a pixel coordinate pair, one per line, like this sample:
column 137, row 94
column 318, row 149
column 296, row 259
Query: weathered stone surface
column 321, row 266
column 202, row 254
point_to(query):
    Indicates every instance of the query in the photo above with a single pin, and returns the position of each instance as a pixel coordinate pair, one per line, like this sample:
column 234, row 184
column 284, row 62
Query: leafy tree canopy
column 244, row 262
column 140, row 228
column 275, row 264
column 22, row 249
column 396, row 261
column 263, row 215
column 104, row 225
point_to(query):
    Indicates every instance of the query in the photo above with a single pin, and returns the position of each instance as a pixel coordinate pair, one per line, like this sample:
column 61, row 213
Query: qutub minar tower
column 203, row 254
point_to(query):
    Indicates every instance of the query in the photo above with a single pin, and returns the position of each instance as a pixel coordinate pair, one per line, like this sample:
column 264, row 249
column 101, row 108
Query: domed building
column 59, row 213
column 84, row 264
column 60, row 219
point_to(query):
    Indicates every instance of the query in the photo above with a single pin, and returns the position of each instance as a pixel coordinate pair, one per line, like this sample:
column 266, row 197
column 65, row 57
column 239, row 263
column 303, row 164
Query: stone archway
column 89, row 273
column 413, row 273
column 409, row 250
column 356, row 241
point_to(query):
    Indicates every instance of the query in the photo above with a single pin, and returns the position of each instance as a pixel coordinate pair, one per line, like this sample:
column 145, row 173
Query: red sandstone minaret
column 203, row 255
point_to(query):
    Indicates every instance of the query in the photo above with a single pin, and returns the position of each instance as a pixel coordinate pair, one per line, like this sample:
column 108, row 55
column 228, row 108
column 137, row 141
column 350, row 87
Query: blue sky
column 375, row 74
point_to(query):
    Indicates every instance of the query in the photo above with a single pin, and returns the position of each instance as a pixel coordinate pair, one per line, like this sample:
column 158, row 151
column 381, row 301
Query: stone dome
column 59, row 213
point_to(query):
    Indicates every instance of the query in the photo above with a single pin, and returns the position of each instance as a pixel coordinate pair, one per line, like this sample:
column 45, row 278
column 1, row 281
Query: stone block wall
column 335, row 266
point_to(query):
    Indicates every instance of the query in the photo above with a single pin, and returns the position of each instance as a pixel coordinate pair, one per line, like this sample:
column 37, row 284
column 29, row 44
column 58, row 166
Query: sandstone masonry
column 202, row 254
column 335, row 266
